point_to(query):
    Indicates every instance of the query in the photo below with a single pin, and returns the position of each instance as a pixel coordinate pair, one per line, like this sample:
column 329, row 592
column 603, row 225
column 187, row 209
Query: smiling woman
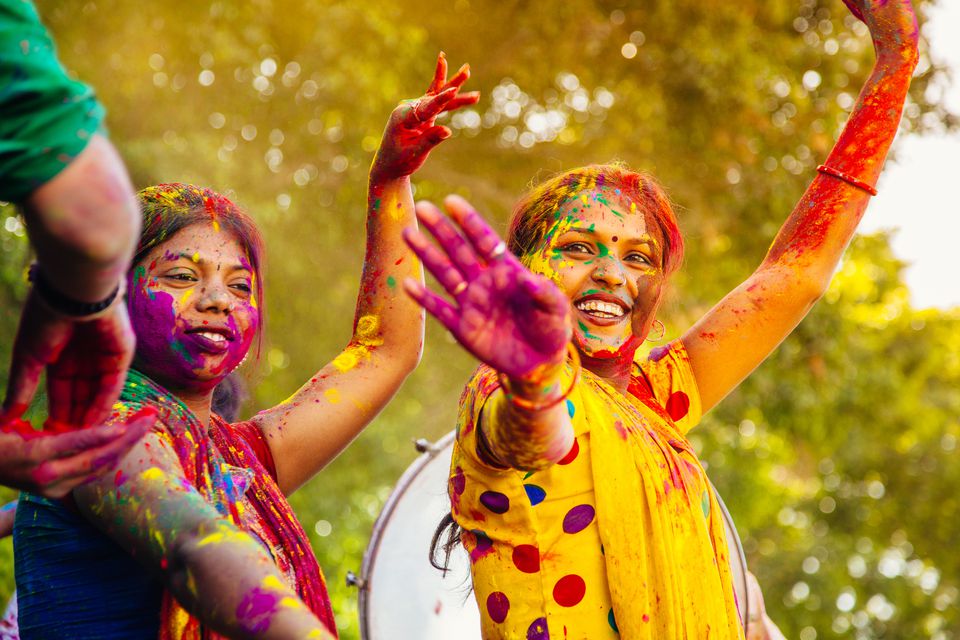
column 581, row 503
column 193, row 537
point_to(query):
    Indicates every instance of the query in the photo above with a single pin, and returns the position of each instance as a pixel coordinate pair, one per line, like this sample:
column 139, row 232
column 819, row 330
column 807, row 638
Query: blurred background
column 838, row 457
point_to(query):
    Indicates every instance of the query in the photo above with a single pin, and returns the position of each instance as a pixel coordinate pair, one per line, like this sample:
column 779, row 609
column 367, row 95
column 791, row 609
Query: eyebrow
column 237, row 266
column 647, row 239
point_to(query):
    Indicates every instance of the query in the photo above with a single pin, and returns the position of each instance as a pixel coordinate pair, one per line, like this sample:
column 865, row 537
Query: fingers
column 852, row 5
column 436, row 306
column 435, row 262
column 99, row 450
column 426, row 109
column 458, row 250
column 461, row 76
column 462, row 100
column 439, row 75
column 24, row 377
column 485, row 241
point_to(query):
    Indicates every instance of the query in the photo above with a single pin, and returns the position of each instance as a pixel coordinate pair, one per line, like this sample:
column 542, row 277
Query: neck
column 197, row 401
column 614, row 370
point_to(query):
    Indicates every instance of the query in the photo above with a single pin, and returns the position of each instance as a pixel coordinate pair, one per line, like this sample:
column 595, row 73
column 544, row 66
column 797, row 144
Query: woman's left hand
column 411, row 131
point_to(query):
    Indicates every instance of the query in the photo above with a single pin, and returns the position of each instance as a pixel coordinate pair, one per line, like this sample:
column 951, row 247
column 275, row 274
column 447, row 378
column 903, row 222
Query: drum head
column 402, row 597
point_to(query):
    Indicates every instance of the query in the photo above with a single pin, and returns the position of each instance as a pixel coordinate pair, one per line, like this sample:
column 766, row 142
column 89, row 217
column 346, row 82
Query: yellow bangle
column 527, row 405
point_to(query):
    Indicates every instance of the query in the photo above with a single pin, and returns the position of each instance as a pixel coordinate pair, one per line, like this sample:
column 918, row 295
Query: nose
column 608, row 271
column 215, row 297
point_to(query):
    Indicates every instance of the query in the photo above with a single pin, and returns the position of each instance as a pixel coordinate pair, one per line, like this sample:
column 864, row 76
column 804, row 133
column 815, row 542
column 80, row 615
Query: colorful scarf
column 209, row 459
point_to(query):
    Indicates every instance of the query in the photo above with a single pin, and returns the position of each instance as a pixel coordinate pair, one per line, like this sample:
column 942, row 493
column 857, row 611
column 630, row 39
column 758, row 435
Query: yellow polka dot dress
column 622, row 538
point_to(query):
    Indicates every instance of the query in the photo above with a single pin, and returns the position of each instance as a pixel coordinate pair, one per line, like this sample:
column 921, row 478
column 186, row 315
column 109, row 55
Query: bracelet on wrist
column 840, row 175
column 529, row 405
column 64, row 304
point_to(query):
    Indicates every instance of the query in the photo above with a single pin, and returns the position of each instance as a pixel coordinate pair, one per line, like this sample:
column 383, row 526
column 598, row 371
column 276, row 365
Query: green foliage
column 834, row 457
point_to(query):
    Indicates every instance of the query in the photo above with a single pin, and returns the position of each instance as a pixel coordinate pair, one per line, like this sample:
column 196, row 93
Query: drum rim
column 379, row 525
column 376, row 537
column 732, row 526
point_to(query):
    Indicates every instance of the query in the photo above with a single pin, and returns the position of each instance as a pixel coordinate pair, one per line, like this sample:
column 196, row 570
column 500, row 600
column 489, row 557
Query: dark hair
column 228, row 396
column 172, row 207
column 538, row 209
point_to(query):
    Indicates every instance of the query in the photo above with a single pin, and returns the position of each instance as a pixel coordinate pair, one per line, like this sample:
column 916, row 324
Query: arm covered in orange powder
column 329, row 411
column 734, row 337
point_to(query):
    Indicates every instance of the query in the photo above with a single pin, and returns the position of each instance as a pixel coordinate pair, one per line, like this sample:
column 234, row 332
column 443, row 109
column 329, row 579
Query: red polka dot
column 498, row 606
column 569, row 590
column 678, row 404
column 572, row 454
column 458, row 482
column 526, row 557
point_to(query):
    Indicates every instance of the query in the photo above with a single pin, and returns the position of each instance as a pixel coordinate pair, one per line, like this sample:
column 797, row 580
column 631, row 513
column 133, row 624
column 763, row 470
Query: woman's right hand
column 411, row 131
column 515, row 321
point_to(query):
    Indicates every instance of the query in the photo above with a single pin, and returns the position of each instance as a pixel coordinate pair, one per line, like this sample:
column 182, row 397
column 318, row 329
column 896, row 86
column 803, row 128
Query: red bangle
column 859, row 184
column 523, row 403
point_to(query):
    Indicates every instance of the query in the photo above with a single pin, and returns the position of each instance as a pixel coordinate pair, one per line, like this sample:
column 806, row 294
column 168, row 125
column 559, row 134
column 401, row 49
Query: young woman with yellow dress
column 583, row 507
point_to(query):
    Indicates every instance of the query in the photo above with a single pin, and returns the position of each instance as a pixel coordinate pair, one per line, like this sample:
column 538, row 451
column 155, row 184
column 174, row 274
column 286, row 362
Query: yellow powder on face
column 216, row 226
column 186, row 296
column 195, row 257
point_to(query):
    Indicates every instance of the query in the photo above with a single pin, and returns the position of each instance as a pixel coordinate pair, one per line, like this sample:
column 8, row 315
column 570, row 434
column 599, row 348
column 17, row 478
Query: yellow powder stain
column 216, row 226
column 332, row 395
column 195, row 257
column 347, row 360
column 291, row 603
column 272, row 582
column 633, row 207
column 186, row 296
column 396, row 212
column 153, row 473
column 253, row 287
column 225, row 534
column 315, row 634
column 368, row 327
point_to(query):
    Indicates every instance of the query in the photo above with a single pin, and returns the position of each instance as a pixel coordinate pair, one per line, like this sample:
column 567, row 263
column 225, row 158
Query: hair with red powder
column 540, row 208
column 170, row 208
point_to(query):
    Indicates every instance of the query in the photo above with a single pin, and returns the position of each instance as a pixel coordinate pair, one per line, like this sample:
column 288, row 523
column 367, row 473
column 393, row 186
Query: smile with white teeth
column 213, row 337
column 601, row 309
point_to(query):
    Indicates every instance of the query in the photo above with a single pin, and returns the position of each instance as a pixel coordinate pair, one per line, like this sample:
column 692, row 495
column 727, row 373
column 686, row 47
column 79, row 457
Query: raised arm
column 507, row 317
column 213, row 568
column 314, row 425
column 734, row 337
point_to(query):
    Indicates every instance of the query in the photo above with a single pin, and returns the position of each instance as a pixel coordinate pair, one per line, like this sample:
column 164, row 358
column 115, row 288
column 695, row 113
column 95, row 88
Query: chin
column 602, row 348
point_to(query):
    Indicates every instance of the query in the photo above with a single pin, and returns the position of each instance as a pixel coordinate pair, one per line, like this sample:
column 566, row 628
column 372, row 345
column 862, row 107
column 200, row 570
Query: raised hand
column 86, row 364
column 53, row 465
column 892, row 24
column 411, row 132
column 515, row 321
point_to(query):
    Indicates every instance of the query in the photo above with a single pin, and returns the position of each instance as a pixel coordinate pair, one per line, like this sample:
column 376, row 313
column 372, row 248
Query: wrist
column 51, row 297
column 541, row 388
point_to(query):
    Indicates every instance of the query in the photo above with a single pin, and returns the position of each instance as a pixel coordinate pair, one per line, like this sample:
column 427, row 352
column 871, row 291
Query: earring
column 663, row 330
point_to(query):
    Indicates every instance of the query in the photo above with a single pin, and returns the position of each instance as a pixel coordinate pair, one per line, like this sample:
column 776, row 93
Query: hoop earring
column 663, row 331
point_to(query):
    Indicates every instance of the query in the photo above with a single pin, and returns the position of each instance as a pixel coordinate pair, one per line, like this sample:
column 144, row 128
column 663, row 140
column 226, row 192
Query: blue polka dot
column 535, row 493
column 570, row 408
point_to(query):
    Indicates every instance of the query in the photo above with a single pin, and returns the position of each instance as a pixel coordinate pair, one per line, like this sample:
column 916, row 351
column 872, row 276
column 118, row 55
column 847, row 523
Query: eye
column 577, row 247
column 241, row 286
column 181, row 276
column 638, row 258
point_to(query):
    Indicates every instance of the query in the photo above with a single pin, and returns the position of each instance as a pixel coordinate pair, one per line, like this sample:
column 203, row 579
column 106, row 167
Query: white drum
column 403, row 597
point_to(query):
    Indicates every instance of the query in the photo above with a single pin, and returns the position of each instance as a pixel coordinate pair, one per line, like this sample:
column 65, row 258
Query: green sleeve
column 46, row 119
